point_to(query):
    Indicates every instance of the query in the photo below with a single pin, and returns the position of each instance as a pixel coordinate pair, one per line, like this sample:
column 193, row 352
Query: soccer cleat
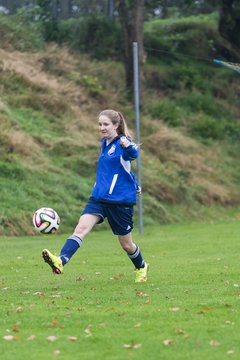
column 141, row 274
column 54, row 261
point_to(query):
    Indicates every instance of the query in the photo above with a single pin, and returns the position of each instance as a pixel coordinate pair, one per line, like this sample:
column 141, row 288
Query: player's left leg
column 120, row 218
column 135, row 255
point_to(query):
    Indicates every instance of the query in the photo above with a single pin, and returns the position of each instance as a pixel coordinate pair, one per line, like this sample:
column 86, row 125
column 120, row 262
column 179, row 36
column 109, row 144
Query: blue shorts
column 120, row 217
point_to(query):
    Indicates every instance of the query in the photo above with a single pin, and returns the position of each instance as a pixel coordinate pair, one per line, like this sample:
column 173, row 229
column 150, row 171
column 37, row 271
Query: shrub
column 194, row 35
column 232, row 130
column 200, row 102
column 91, row 83
column 207, row 127
column 97, row 35
column 168, row 111
column 216, row 128
column 21, row 32
column 181, row 75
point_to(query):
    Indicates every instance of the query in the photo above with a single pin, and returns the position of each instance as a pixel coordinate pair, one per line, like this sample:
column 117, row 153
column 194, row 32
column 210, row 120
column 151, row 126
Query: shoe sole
column 48, row 260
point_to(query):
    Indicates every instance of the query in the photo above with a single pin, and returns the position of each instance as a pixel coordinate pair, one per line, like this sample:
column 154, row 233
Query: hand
column 124, row 142
column 139, row 190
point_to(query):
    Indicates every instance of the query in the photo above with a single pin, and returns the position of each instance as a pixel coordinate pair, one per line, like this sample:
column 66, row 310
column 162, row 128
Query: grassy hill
column 50, row 100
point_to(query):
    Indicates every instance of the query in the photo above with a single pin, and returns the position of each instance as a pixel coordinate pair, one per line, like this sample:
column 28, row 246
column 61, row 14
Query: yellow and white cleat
column 53, row 261
column 141, row 274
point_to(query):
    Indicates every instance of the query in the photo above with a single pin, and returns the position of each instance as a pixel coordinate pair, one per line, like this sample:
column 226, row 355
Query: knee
column 130, row 248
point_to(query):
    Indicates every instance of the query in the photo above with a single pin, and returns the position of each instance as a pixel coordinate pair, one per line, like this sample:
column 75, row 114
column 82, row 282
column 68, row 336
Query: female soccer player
column 113, row 196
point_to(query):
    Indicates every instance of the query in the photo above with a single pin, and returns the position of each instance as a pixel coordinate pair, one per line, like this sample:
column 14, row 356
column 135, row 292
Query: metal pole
column 137, row 127
column 110, row 8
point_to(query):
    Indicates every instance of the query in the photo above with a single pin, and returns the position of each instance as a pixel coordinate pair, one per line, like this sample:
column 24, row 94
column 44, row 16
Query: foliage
column 166, row 110
column 48, row 133
column 97, row 35
column 47, row 19
column 218, row 128
column 194, row 96
column 21, row 32
column 194, row 35
column 201, row 102
column 229, row 25
column 92, row 84
column 208, row 128
column 179, row 8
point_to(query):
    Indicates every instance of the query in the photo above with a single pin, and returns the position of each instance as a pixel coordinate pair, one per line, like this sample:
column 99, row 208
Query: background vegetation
column 52, row 92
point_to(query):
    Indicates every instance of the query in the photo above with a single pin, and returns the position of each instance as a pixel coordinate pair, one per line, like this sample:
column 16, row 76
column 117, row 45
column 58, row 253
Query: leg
column 127, row 243
column 135, row 255
column 86, row 223
column 132, row 250
column 84, row 226
column 120, row 219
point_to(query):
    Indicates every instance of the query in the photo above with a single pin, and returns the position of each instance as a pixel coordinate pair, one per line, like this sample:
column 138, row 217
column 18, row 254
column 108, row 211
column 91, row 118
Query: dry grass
column 59, row 96
column 15, row 141
column 198, row 164
column 168, row 140
column 23, row 144
column 3, row 107
column 170, row 145
column 212, row 193
column 31, row 68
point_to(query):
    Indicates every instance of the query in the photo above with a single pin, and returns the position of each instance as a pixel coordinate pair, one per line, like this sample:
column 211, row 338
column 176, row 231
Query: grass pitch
column 188, row 309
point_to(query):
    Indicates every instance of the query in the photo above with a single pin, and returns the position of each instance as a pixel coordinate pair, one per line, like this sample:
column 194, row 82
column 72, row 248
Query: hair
column 117, row 118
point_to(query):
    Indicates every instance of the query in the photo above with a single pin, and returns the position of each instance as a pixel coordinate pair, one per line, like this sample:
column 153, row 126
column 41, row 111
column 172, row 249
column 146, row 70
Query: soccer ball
column 46, row 220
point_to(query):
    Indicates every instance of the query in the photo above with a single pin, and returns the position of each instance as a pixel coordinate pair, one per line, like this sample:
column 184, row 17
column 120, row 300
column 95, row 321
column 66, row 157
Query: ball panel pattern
column 46, row 220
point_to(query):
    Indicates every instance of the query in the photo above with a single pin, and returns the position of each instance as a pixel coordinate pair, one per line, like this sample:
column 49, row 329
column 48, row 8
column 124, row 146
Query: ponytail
column 122, row 128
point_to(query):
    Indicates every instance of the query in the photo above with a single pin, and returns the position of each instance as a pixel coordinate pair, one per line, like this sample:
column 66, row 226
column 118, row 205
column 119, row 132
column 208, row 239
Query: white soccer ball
column 46, row 220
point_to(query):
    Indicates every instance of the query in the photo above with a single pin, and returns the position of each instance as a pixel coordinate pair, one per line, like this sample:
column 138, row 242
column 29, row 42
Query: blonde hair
column 117, row 118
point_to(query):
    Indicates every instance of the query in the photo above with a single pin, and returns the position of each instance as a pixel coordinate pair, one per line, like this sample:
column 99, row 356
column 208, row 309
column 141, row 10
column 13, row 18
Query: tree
column 10, row 5
column 174, row 8
column 48, row 15
column 65, row 9
column 229, row 24
column 131, row 15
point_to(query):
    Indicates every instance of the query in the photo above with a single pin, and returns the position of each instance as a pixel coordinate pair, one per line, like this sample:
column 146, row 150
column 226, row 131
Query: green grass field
column 188, row 309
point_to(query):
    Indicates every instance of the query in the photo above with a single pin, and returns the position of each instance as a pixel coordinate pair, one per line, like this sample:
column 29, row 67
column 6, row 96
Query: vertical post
column 137, row 128
column 110, row 8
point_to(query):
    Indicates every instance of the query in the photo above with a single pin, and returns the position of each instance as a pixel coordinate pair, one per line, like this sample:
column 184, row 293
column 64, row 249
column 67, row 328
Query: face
column 107, row 128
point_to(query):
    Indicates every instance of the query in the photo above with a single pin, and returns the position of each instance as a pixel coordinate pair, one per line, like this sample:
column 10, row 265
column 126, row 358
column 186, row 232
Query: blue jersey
column 115, row 182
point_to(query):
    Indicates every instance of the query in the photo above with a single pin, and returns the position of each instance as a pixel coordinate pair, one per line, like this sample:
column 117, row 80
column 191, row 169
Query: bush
column 91, row 83
column 194, row 35
column 208, row 128
column 97, row 35
column 167, row 111
column 21, row 32
column 180, row 75
column 161, row 78
column 198, row 102
column 232, row 130
column 216, row 128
